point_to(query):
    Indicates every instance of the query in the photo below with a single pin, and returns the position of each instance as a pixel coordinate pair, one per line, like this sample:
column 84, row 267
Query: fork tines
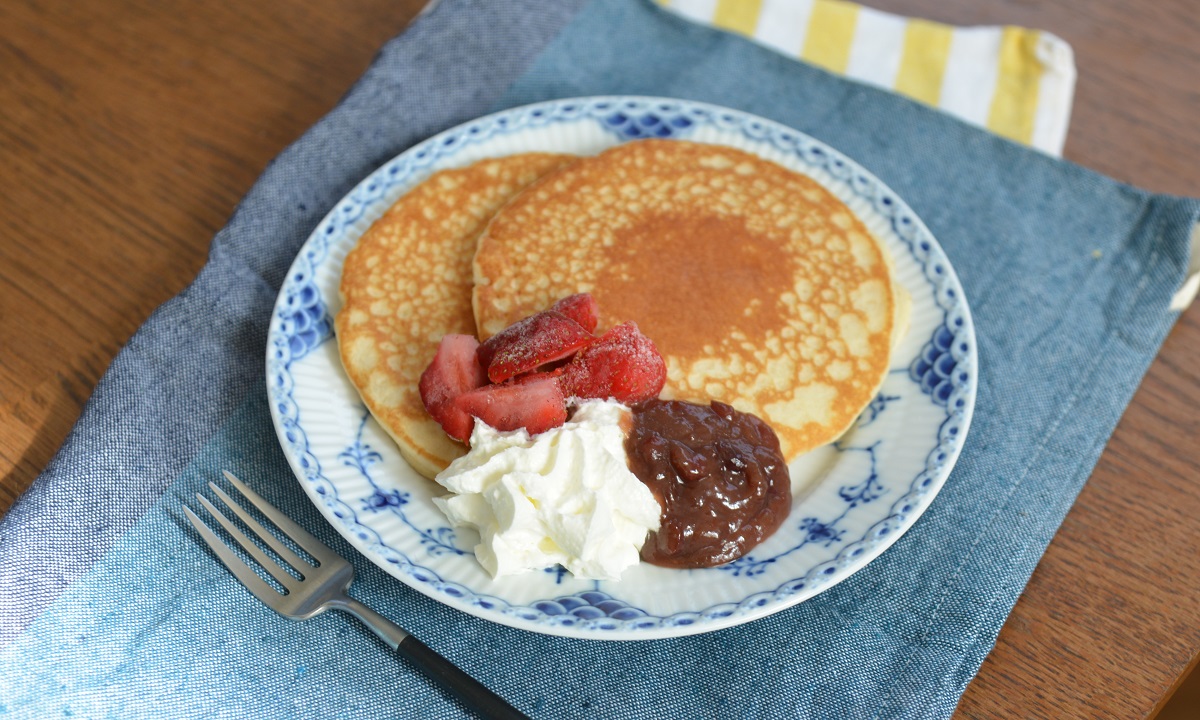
column 239, row 567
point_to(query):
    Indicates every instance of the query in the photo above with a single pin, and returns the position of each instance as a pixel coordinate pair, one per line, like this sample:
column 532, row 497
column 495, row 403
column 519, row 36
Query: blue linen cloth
column 110, row 607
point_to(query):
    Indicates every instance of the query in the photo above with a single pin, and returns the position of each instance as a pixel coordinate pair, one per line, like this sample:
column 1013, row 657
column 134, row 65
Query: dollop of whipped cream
column 565, row 496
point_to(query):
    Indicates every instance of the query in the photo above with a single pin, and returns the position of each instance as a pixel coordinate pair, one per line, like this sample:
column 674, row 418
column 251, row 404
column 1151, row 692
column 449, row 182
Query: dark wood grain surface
column 130, row 129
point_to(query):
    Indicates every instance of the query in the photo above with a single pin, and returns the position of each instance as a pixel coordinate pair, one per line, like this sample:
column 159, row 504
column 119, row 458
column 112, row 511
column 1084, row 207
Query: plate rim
column 853, row 555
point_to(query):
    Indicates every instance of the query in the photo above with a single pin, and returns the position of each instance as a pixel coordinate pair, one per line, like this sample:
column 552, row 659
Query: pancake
column 408, row 282
column 760, row 288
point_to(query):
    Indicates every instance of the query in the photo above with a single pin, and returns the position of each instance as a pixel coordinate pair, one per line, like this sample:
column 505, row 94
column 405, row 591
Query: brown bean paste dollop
column 717, row 473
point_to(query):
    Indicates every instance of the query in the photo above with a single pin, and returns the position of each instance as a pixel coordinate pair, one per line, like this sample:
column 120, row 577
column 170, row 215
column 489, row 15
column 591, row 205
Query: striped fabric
column 1013, row 81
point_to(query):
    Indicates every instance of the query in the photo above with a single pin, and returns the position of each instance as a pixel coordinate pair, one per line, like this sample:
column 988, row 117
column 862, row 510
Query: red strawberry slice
column 581, row 308
column 453, row 371
column 622, row 363
column 529, row 343
column 534, row 402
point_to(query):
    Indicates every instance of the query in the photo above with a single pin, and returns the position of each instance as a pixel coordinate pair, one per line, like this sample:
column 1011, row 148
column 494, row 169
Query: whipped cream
column 565, row 496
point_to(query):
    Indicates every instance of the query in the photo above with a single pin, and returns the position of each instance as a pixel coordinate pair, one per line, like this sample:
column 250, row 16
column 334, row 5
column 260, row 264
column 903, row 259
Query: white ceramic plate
column 852, row 500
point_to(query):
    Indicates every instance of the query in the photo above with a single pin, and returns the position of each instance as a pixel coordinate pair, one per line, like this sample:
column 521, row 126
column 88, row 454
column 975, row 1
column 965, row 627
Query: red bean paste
column 718, row 474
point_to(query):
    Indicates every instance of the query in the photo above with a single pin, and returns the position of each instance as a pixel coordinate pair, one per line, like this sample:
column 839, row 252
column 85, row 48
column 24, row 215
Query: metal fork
column 322, row 586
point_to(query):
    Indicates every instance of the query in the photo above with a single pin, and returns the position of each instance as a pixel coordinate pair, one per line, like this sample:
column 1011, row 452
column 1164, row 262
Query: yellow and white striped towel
column 1016, row 82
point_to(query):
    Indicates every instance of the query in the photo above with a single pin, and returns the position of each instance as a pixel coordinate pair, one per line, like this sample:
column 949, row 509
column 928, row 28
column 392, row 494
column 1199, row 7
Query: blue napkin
column 109, row 606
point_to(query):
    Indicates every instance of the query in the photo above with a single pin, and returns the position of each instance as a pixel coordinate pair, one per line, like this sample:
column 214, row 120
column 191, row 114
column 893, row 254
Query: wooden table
column 130, row 131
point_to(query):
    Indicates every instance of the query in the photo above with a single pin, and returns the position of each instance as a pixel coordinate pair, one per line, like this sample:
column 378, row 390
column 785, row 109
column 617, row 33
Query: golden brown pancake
column 408, row 282
column 760, row 288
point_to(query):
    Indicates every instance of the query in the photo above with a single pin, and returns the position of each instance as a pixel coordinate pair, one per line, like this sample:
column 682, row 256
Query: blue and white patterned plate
column 852, row 499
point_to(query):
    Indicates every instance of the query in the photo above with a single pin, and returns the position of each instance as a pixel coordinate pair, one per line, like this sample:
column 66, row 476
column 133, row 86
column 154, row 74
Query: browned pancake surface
column 760, row 287
column 408, row 282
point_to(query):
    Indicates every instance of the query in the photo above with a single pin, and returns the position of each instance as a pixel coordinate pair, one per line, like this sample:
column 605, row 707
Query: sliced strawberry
column 534, row 402
column 453, row 371
column 581, row 308
column 528, row 343
column 622, row 363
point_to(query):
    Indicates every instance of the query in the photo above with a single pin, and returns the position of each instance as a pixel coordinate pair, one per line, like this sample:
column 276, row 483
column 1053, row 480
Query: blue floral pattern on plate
column 360, row 456
column 850, row 512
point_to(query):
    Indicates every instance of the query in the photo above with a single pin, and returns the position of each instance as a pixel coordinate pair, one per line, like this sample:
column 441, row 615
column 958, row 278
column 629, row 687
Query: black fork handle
column 446, row 674
column 472, row 693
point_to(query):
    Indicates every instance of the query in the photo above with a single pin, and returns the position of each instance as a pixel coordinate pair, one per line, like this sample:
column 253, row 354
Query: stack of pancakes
column 760, row 288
